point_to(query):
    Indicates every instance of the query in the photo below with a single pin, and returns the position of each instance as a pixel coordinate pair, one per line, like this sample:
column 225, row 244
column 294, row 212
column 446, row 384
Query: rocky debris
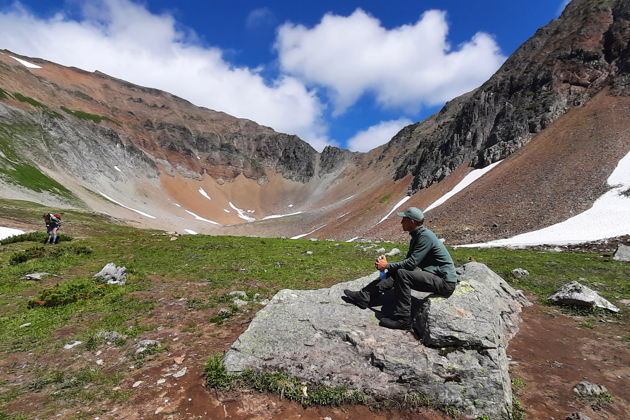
column 239, row 293
column 576, row 294
column 72, row 345
column 622, row 253
column 380, row 250
column 316, row 337
column 394, row 251
column 36, row 276
column 144, row 345
column 111, row 274
column 28, row 324
column 110, row 336
column 180, row 373
column 309, row 252
column 520, row 273
column 587, row 389
column 578, row 416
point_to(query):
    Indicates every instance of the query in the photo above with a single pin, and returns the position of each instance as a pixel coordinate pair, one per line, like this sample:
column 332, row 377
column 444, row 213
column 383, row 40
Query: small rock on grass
column 144, row 345
column 394, row 251
column 72, row 345
column 576, row 294
column 35, row 276
column 240, row 303
column 238, row 293
column 180, row 373
column 520, row 273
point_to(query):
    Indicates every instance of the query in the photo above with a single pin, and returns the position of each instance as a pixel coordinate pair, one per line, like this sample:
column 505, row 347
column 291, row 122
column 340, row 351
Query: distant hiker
column 428, row 267
column 53, row 223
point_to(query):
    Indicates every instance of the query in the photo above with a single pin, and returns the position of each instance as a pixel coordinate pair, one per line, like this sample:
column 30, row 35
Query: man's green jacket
column 428, row 253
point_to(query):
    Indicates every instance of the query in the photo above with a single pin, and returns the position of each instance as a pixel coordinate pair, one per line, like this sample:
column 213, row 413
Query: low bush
column 46, row 252
column 68, row 292
column 34, row 237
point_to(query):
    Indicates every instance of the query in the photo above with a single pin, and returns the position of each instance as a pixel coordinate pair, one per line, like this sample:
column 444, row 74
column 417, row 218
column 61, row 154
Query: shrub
column 34, row 237
column 45, row 252
column 67, row 292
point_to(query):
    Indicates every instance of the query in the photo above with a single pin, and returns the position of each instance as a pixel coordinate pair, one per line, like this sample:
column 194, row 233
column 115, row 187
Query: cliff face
column 562, row 66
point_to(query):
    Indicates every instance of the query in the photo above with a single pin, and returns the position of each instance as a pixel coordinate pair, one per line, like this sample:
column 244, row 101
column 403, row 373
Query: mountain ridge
column 155, row 151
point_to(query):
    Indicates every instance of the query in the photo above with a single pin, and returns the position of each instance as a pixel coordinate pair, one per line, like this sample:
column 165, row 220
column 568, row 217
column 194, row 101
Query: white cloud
column 260, row 17
column 406, row 67
column 125, row 40
column 376, row 135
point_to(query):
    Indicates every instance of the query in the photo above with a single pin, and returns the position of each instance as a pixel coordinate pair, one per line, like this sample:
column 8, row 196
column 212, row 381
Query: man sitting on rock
column 428, row 267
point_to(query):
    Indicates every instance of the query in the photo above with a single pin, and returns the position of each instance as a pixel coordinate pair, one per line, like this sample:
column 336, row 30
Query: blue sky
column 346, row 73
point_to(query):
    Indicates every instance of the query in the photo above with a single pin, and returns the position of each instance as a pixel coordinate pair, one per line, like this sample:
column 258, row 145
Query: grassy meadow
column 40, row 317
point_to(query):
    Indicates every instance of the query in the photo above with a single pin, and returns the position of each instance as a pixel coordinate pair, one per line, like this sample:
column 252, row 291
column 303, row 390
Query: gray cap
column 413, row 213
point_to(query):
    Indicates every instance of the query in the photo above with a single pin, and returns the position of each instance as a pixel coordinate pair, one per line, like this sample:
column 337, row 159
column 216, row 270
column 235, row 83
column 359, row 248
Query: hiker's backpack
column 55, row 218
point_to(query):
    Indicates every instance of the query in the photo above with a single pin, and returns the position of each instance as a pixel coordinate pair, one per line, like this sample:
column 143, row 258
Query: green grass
column 280, row 384
column 85, row 115
column 385, row 198
column 3, row 94
column 28, row 100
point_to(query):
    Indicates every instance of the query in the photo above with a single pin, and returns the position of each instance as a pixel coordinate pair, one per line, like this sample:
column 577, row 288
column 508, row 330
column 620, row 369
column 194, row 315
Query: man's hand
column 381, row 262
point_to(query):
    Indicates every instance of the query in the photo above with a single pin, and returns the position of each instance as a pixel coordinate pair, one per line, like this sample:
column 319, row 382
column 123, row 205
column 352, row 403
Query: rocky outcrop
column 562, row 66
column 460, row 360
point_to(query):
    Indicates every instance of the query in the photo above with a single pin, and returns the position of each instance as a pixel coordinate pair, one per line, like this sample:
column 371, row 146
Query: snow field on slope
column 608, row 217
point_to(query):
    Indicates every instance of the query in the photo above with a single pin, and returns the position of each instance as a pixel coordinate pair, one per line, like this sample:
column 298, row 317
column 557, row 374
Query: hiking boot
column 357, row 298
column 396, row 324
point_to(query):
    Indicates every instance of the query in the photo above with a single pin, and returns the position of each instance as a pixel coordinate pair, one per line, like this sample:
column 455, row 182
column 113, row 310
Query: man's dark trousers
column 420, row 280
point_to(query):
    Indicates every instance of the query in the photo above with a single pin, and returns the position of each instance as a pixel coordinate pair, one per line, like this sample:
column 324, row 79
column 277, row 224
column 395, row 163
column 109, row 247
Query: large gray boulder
column 457, row 357
column 622, row 253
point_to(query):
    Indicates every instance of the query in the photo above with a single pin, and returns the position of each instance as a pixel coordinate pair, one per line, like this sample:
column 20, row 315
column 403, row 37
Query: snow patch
column 178, row 205
column 305, row 234
column 128, row 208
column 26, row 63
column 400, row 203
column 201, row 218
column 241, row 213
column 275, row 216
column 353, row 239
column 192, row 232
column 608, row 217
column 290, row 205
column 204, row 193
column 226, row 210
column 468, row 179
column 6, row 232
column 117, row 168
